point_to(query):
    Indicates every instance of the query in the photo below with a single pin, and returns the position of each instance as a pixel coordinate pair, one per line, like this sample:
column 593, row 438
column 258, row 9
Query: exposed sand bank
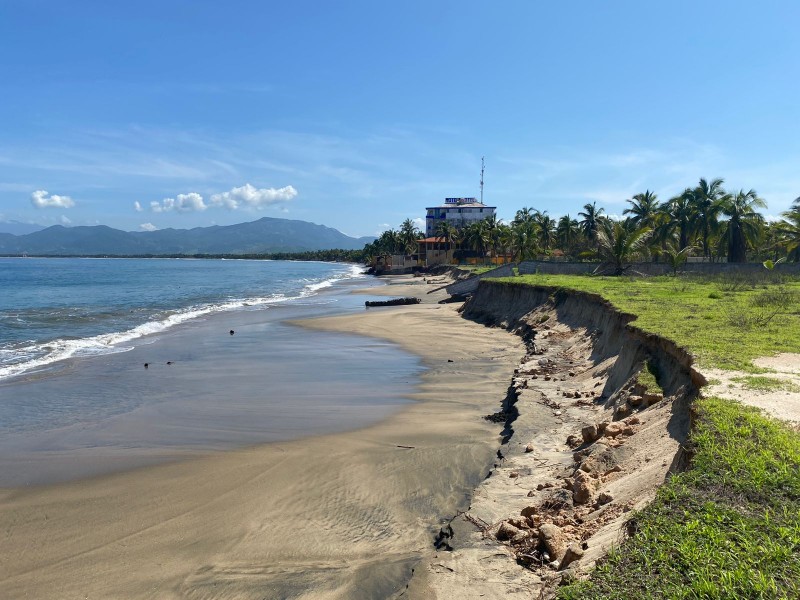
column 559, row 493
column 337, row 516
column 589, row 442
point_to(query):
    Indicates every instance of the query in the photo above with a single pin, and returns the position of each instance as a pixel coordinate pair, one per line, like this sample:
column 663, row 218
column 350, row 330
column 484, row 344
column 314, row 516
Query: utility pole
column 482, row 167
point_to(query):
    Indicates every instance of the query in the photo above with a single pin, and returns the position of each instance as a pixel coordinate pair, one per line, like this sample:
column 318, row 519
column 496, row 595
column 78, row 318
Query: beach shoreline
column 204, row 391
column 335, row 516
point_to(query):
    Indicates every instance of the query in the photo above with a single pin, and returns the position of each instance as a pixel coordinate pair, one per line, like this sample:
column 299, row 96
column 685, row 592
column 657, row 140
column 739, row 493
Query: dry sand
column 780, row 400
column 339, row 516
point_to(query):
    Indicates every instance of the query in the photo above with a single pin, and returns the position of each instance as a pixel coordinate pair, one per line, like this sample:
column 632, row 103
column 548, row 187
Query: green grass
column 724, row 325
column 765, row 384
column 728, row 528
column 648, row 377
column 477, row 269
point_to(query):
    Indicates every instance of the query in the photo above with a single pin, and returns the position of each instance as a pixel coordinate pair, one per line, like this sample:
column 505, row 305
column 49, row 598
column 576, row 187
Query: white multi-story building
column 460, row 212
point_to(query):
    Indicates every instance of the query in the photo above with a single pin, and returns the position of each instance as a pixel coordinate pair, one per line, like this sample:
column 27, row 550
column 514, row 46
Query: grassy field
column 725, row 323
column 729, row 527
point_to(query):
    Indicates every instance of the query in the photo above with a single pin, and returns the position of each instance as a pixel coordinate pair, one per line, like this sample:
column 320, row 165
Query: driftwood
column 392, row 302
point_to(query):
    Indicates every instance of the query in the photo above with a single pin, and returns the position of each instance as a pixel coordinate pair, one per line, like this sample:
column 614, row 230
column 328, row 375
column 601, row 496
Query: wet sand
column 270, row 382
column 336, row 516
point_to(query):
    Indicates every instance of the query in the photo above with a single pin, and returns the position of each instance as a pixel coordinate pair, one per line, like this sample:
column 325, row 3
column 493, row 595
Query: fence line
column 530, row 267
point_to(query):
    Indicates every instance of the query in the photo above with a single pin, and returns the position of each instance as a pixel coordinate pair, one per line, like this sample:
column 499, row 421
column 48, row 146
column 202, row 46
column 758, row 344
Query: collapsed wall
column 584, row 442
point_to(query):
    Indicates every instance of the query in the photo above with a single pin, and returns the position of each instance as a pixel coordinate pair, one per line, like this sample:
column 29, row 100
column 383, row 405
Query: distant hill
column 267, row 235
column 18, row 228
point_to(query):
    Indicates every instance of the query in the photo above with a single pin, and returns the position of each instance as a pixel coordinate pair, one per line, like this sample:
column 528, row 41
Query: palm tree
column 790, row 231
column 525, row 215
column 707, row 199
column 591, row 220
column 523, row 240
column 504, row 237
column 679, row 214
column 619, row 243
column 676, row 258
column 546, row 227
column 409, row 235
column 744, row 223
column 644, row 209
column 388, row 242
column 492, row 225
column 476, row 236
column 448, row 233
column 567, row 232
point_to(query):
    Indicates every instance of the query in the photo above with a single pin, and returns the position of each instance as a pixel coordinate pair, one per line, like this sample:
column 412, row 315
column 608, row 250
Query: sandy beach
column 335, row 516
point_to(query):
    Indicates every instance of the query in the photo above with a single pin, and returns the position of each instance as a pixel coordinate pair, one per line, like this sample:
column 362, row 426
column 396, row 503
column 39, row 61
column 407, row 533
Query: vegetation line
column 725, row 321
column 704, row 221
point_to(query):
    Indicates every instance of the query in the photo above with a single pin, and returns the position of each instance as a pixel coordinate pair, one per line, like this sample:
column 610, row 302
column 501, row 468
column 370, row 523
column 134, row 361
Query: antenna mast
column 482, row 166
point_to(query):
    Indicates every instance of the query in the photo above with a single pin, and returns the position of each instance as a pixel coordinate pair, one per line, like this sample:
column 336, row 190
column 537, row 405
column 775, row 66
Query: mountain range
column 18, row 227
column 264, row 236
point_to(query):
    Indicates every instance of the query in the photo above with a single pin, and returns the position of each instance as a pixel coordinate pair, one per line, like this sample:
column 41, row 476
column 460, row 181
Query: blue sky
column 358, row 115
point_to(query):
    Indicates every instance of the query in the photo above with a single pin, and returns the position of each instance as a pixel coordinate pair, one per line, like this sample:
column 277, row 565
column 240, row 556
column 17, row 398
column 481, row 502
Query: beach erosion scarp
column 586, row 442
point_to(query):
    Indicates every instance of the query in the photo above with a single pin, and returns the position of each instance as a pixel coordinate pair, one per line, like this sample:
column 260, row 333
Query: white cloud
column 147, row 226
column 41, row 199
column 246, row 196
column 419, row 222
column 64, row 220
column 773, row 218
column 137, row 206
column 252, row 197
column 181, row 203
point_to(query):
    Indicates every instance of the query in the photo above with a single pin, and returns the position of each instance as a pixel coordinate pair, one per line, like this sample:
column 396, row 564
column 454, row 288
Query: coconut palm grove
column 706, row 221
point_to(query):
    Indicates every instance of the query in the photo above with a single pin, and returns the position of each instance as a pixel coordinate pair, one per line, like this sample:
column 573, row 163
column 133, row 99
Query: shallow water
column 52, row 309
column 268, row 382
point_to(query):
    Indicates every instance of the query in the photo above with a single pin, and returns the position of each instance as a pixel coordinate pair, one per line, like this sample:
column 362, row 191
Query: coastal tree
column 621, row 242
column 492, row 226
column 679, row 214
column 567, row 234
column 789, row 231
column 448, row 233
column 525, row 215
column 476, row 237
column 523, row 239
column 592, row 217
column 706, row 201
column 545, row 230
column 743, row 224
column 504, row 235
column 676, row 257
column 644, row 209
column 409, row 234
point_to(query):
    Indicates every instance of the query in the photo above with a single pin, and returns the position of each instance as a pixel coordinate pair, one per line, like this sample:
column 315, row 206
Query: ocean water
column 53, row 309
column 77, row 401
